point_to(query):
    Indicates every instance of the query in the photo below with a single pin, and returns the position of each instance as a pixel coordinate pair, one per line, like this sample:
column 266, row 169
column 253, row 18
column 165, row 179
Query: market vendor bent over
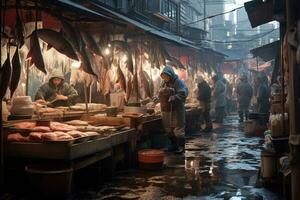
column 173, row 94
column 56, row 92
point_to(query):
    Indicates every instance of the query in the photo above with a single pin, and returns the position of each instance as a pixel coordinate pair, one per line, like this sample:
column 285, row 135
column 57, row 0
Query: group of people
column 174, row 120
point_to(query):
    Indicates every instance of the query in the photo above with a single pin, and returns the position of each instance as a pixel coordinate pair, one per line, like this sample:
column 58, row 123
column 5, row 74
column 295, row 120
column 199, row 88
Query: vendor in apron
column 172, row 96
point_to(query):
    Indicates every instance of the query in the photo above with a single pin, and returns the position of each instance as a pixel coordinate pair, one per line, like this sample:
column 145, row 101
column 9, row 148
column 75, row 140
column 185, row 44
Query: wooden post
column 294, row 139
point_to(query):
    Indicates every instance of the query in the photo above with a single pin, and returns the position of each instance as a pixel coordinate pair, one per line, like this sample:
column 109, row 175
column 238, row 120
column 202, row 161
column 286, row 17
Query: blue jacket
column 181, row 93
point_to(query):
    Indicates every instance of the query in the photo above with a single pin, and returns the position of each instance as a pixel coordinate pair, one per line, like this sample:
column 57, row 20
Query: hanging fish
column 84, row 58
column 119, row 45
column 16, row 73
column 129, row 62
column 151, row 85
column 106, row 85
column 35, row 53
column 121, row 78
column 135, row 88
column 128, row 87
column 145, row 84
column 85, row 63
column 5, row 75
column 175, row 62
column 70, row 33
column 19, row 28
column 90, row 43
column 57, row 41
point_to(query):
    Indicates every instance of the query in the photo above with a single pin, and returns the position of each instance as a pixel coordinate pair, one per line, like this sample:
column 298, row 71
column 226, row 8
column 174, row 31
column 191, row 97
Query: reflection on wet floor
column 220, row 165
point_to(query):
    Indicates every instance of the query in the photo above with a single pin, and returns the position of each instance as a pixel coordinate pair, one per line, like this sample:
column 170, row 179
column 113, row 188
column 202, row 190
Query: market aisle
column 221, row 165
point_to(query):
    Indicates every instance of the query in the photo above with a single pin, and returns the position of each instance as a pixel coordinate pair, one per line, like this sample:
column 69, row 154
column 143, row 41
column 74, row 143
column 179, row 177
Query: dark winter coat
column 244, row 94
column 176, row 118
column 218, row 94
column 204, row 92
column 263, row 96
column 48, row 91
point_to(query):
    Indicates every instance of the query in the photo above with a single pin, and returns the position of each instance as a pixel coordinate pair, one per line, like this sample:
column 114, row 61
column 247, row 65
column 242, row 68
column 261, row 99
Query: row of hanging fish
column 10, row 72
column 78, row 44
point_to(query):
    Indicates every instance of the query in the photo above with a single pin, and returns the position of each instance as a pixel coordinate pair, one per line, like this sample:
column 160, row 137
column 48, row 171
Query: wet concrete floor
column 220, row 165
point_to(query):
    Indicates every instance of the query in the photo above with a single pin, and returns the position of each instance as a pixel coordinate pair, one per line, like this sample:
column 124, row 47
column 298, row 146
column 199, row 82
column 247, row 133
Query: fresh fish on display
column 19, row 29
column 57, row 41
column 16, row 73
column 90, row 43
column 5, row 75
column 35, row 53
column 71, row 34
column 121, row 78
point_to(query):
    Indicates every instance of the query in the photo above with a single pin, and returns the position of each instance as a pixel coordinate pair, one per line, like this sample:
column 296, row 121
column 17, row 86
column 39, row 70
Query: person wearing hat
column 204, row 98
column 174, row 119
column 218, row 94
column 56, row 92
column 244, row 94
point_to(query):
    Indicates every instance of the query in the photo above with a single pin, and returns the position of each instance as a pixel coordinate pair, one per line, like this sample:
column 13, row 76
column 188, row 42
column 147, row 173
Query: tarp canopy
column 267, row 52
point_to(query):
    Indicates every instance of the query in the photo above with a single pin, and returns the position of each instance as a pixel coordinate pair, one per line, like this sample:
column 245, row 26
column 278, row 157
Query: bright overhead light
column 107, row 51
column 109, row 45
column 76, row 64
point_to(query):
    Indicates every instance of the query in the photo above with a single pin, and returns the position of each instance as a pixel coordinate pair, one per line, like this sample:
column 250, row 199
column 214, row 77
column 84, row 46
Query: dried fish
column 151, row 85
column 70, row 33
column 121, row 78
column 5, row 75
column 19, row 29
column 35, row 53
column 106, row 85
column 57, row 41
column 129, row 86
column 84, row 58
column 16, row 73
column 135, row 88
column 129, row 62
column 145, row 84
column 175, row 62
column 85, row 62
column 90, row 43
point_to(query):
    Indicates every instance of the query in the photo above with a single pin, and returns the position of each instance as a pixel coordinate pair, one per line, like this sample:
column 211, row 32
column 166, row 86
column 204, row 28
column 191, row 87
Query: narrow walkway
column 220, row 165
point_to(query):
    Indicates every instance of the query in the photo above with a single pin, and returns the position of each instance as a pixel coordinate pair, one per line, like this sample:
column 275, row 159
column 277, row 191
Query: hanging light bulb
column 107, row 51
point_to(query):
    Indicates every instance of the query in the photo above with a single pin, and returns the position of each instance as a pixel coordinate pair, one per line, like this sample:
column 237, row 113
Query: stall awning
column 261, row 67
column 267, row 52
column 259, row 12
column 79, row 8
column 231, row 67
column 149, row 28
